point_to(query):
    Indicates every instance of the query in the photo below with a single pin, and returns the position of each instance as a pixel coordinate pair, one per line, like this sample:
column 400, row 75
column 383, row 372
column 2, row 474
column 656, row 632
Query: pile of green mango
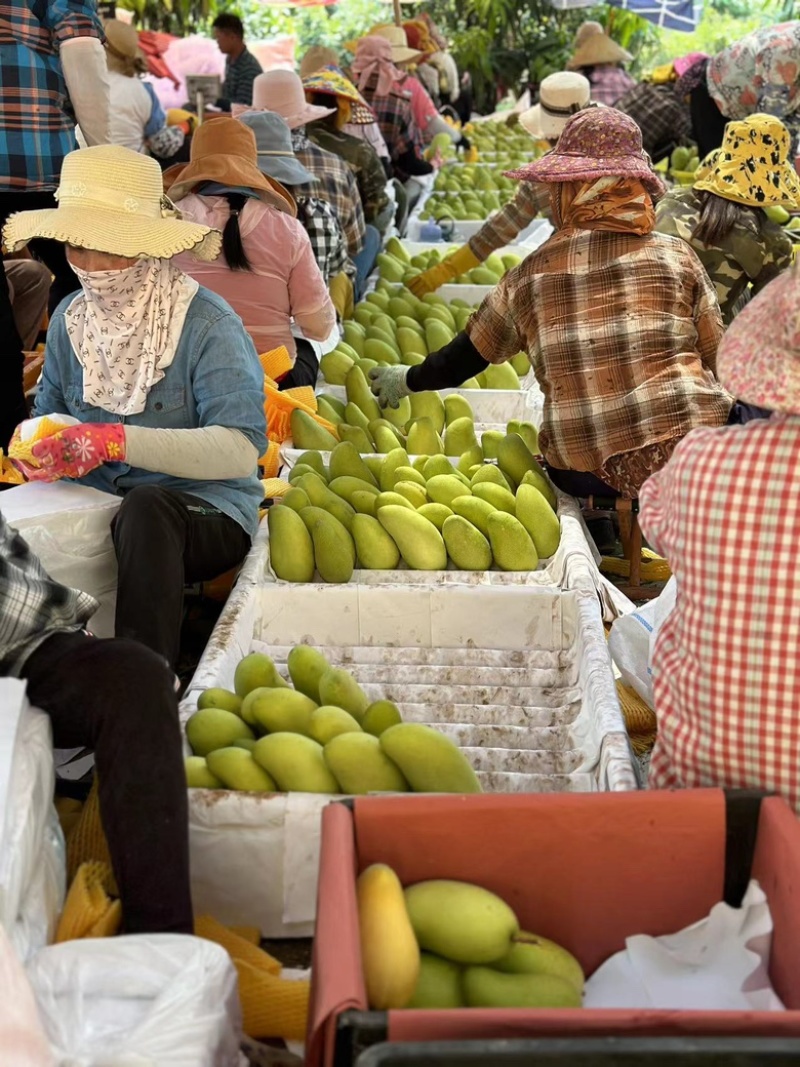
column 392, row 326
column 323, row 736
column 507, row 146
column 473, row 206
column 375, row 511
column 395, row 264
column 486, row 177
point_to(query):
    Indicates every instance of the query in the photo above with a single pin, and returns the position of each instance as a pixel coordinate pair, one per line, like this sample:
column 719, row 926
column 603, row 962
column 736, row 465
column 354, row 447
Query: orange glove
column 453, row 267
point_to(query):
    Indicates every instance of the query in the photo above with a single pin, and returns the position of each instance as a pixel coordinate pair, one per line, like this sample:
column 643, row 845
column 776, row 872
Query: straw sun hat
column 111, row 200
column 123, row 53
column 593, row 47
column 396, row 36
column 561, row 95
column 330, row 81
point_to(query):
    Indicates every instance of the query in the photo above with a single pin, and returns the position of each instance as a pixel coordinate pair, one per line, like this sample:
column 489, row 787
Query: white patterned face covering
column 124, row 329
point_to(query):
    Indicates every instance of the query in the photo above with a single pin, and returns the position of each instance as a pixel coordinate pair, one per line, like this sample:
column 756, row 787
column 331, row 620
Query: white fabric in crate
column 22, row 1040
column 151, row 1000
column 32, row 854
column 68, row 526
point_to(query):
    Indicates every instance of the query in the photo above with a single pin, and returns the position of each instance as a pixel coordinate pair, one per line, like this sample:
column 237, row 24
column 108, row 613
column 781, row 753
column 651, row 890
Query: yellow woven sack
column 32, row 430
column 270, row 462
column 342, row 296
column 87, row 841
column 89, row 910
column 272, row 1006
column 238, row 948
column 276, row 363
column 250, row 934
column 274, row 488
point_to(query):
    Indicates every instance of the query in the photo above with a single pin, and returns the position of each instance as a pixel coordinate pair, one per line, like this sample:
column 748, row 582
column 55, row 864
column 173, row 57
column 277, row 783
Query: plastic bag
column 149, row 1000
column 632, row 638
column 22, row 1040
column 32, row 854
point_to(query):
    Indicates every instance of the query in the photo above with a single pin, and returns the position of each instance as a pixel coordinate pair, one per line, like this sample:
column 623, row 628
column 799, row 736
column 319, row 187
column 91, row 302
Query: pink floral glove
column 76, row 450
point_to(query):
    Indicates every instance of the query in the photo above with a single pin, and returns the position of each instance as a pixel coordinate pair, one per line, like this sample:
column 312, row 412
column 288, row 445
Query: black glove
column 464, row 144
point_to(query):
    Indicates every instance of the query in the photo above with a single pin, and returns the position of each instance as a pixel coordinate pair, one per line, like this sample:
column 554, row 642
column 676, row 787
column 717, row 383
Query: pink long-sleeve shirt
column 285, row 282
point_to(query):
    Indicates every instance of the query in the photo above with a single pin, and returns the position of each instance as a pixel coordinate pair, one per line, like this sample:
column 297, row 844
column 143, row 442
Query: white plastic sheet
column 22, row 1040
column 32, row 855
column 632, row 639
column 155, row 1000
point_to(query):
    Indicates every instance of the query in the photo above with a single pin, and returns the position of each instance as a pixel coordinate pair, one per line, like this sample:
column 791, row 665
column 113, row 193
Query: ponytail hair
column 232, row 247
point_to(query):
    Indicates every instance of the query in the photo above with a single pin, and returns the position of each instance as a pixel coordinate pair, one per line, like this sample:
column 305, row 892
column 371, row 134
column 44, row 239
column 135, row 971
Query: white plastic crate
column 520, row 677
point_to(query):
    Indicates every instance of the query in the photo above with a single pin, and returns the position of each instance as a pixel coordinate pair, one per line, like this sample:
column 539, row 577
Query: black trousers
column 708, row 122
column 12, row 397
column 164, row 540
column 117, row 698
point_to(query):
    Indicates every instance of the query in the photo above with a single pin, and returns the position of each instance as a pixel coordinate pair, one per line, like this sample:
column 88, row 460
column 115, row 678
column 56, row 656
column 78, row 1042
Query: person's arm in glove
column 445, row 369
column 83, row 63
column 462, row 260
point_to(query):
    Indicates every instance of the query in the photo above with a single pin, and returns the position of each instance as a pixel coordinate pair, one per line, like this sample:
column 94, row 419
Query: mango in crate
column 291, row 549
column 328, row 722
column 296, row 763
column 220, row 698
column 282, row 710
column 253, row 672
column 390, row 955
column 429, row 761
column 236, row 769
column 539, row 520
column 334, row 551
column 375, row 549
column 360, row 765
column 380, row 716
column 532, row 954
column 307, row 433
column 487, row 988
column 438, row 985
column 213, row 728
column 512, row 547
column 462, row 922
column 418, row 540
column 338, row 687
column 198, row 776
column 466, row 546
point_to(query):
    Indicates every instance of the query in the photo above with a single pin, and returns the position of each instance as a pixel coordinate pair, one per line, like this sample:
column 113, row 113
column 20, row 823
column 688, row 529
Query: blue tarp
column 671, row 14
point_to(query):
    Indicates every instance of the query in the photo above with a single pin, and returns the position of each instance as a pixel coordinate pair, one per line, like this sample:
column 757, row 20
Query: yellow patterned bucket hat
column 753, row 165
column 331, row 81
column 706, row 168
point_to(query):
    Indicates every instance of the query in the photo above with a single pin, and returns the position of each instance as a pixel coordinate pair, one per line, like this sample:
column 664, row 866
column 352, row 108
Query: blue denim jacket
column 215, row 379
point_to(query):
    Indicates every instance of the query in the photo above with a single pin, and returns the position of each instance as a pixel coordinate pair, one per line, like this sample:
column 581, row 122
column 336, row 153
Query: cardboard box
column 586, row 871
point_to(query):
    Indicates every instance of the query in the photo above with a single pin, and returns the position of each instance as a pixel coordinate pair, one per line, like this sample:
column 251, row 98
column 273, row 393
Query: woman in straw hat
column 561, row 95
column 375, row 74
column 600, row 59
column 723, row 511
column 722, row 217
column 138, row 121
column 163, row 380
column 621, row 324
column 267, row 270
column 330, row 86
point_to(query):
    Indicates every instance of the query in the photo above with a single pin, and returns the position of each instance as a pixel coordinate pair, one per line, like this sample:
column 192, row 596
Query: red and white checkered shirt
column 726, row 513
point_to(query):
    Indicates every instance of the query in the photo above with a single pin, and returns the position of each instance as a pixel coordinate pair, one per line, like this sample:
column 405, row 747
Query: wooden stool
column 630, row 534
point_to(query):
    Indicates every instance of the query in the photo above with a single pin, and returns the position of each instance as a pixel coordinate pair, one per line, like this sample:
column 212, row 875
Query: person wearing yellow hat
column 561, row 95
column 138, row 121
column 722, row 217
column 162, row 382
column 599, row 58
column 330, row 86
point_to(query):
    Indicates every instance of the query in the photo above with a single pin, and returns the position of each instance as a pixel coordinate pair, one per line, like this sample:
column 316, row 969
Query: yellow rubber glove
column 454, row 266
column 176, row 116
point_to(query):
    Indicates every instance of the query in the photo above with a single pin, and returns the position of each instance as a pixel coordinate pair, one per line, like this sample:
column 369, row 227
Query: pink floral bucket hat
column 598, row 142
column 759, row 357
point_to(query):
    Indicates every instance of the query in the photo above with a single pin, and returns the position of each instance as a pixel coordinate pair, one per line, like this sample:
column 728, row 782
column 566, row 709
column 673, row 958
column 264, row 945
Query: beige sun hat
column 396, row 36
column 560, row 96
column 282, row 91
column 111, row 200
column 593, row 47
column 317, row 57
column 123, row 53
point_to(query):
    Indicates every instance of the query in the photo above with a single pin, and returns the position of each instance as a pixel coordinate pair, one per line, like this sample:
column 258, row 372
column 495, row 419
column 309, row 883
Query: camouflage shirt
column 747, row 256
column 363, row 161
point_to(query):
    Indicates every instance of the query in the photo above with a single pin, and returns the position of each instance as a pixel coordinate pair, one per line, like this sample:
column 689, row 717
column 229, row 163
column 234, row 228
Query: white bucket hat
column 282, row 91
column 560, row 96
column 111, row 200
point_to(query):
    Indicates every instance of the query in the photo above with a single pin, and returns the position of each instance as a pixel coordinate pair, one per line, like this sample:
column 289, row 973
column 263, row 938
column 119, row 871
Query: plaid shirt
column 725, row 660
column 608, row 83
column 361, row 158
column 32, row 606
column 622, row 333
column 325, row 234
column 396, row 122
column 531, row 199
column 36, row 127
column 660, row 113
column 240, row 73
column 335, row 184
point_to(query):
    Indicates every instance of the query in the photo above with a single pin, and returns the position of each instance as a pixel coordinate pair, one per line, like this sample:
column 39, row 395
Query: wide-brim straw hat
column 317, row 57
column 753, row 165
column 122, row 48
column 561, row 95
column 396, row 36
column 331, row 81
column 111, row 199
column 274, row 154
column 282, row 91
column 224, row 151
column 759, row 357
column 598, row 142
column 594, row 47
